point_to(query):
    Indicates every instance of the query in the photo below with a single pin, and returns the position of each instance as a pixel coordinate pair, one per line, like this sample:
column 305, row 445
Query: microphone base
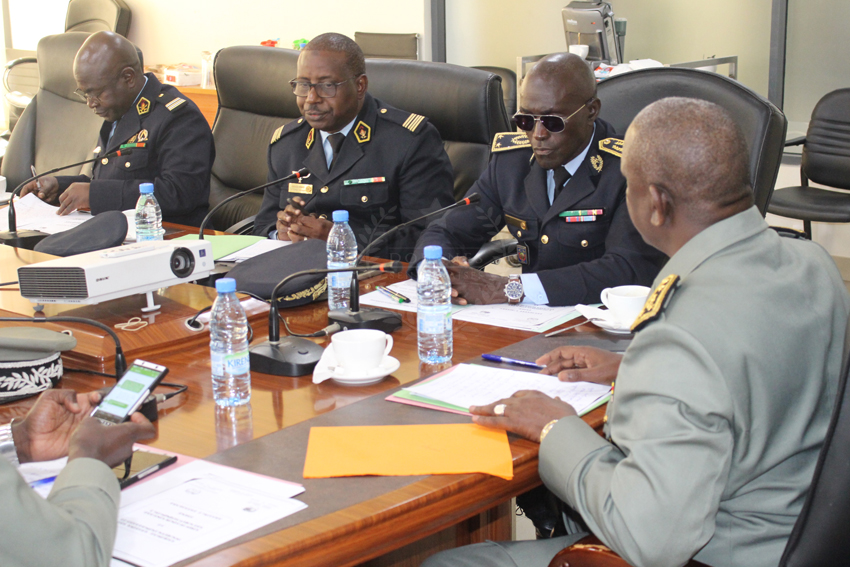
column 291, row 356
column 366, row 318
column 26, row 239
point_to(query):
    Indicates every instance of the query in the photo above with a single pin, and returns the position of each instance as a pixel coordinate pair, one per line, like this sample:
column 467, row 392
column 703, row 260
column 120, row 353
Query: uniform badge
column 302, row 188
column 133, row 139
column 656, row 301
column 596, row 162
column 143, row 106
column 612, row 146
column 310, row 137
column 362, row 132
column 142, row 136
column 522, row 253
column 509, row 141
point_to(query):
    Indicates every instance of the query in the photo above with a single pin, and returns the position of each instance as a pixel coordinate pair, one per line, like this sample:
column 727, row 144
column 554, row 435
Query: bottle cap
column 433, row 252
column 146, row 188
column 340, row 216
column 225, row 285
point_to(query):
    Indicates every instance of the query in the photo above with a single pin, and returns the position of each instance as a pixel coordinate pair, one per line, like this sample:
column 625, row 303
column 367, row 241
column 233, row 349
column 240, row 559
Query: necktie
column 561, row 176
column 336, row 141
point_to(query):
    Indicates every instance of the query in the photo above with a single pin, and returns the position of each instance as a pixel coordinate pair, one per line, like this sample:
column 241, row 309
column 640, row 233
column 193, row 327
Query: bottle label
column 237, row 363
column 434, row 323
column 340, row 279
column 217, row 363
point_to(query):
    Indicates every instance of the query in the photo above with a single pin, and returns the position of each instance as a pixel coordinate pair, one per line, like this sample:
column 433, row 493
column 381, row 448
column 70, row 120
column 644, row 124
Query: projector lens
column 182, row 262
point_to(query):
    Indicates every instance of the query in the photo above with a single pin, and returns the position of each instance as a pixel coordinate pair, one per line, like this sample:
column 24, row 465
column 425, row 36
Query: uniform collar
column 352, row 150
column 131, row 122
column 712, row 240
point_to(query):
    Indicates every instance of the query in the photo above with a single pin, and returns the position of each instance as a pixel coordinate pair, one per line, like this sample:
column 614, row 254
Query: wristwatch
column 7, row 444
column 513, row 289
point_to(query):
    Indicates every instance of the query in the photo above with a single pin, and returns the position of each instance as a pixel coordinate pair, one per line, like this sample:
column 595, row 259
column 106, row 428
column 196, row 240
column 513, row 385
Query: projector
column 116, row 272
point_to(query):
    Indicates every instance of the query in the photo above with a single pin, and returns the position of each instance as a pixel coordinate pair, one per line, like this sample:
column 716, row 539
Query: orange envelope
column 397, row 450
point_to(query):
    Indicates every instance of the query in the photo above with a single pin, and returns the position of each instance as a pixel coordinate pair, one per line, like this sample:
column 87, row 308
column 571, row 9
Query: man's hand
column 526, row 413
column 460, row 261
column 44, row 434
column 47, row 191
column 111, row 444
column 475, row 287
column 581, row 364
column 307, row 226
column 76, row 196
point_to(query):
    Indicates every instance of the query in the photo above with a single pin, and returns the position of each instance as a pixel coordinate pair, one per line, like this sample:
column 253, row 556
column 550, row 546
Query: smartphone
column 143, row 463
column 128, row 394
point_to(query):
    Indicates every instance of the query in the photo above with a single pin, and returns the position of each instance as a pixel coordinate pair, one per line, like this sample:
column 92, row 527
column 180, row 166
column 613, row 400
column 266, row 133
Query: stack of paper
column 31, row 213
column 467, row 385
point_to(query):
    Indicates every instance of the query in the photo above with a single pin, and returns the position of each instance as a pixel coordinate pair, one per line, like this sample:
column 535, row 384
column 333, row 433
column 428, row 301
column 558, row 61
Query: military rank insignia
column 143, row 106
column 362, row 132
column 522, row 254
column 142, row 136
column 310, row 137
column 504, row 141
column 656, row 301
column 612, row 146
column 596, row 163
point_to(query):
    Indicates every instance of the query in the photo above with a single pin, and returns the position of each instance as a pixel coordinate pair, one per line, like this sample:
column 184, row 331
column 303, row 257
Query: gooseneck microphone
column 297, row 356
column 29, row 238
column 374, row 318
column 302, row 173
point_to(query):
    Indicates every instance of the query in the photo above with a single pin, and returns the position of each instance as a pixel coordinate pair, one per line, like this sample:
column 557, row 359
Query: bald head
column 687, row 167
column 108, row 71
column 355, row 62
column 572, row 75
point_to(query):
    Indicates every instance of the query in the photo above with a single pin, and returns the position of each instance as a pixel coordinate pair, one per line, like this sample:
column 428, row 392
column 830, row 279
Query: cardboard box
column 182, row 77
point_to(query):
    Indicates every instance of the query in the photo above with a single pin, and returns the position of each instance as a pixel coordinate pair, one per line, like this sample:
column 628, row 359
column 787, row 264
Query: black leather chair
column 826, row 160
column 254, row 99
column 762, row 124
column 819, row 537
column 57, row 127
column 464, row 104
column 509, row 87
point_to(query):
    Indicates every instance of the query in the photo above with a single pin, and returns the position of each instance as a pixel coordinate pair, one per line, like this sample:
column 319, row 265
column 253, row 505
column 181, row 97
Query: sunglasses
column 552, row 122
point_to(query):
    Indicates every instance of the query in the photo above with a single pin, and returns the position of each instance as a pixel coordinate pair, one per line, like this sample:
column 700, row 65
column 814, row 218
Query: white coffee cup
column 360, row 350
column 625, row 301
column 580, row 50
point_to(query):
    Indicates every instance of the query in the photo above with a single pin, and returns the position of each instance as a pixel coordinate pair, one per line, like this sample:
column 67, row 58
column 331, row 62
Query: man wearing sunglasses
column 557, row 186
column 172, row 146
column 383, row 165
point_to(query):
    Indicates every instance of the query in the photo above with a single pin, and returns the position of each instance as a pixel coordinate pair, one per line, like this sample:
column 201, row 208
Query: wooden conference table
column 349, row 521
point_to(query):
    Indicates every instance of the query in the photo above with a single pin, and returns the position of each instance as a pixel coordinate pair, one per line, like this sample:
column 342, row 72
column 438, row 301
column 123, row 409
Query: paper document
column 194, row 508
column 31, row 213
column 473, row 385
column 523, row 317
column 260, row 247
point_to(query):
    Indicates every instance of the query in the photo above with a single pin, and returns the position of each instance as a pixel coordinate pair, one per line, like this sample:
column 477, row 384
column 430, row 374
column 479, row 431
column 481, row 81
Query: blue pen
column 505, row 360
column 42, row 482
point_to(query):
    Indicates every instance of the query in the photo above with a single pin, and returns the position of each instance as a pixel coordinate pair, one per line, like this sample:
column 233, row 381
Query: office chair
column 826, row 160
column 252, row 104
column 762, row 124
column 20, row 76
column 38, row 138
column 820, row 533
column 509, row 87
column 388, row 45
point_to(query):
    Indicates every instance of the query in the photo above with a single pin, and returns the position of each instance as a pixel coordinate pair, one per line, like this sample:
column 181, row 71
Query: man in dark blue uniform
column 173, row 144
column 558, row 188
column 383, row 165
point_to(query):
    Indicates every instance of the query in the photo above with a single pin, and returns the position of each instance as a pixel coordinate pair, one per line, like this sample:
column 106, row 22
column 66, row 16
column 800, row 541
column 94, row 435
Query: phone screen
column 125, row 396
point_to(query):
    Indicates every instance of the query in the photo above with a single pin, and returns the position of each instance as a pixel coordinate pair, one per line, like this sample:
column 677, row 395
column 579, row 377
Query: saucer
column 612, row 326
column 363, row 378
column 603, row 319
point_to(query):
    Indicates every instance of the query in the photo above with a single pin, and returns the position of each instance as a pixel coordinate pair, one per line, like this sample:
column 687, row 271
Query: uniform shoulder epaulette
column 408, row 120
column 170, row 100
column 504, row 141
column 656, row 302
column 286, row 129
column 612, row 146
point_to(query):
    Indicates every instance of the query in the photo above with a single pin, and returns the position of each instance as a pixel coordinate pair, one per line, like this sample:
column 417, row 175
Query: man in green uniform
column 723, row 399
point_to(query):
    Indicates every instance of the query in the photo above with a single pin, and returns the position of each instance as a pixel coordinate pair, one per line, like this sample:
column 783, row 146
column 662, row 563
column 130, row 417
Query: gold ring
column 499, row 409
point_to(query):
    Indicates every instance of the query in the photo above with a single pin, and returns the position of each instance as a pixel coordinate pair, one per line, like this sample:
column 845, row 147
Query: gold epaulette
column 276, row 135
column 413, row 121
column 174, row 103
column 656, row 302
column 504, row 141
column 612, row 146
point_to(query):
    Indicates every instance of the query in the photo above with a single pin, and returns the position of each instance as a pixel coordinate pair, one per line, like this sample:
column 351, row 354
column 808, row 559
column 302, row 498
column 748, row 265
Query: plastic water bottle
column 434, row 311
column 148, row 215
column 231, row 371
column 342, row 251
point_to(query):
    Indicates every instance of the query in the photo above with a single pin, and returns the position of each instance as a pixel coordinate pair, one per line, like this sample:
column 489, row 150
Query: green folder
column 225, row 244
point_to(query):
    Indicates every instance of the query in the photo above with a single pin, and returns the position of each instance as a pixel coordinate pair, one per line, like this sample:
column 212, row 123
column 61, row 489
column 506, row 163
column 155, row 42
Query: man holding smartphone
column 76, row 524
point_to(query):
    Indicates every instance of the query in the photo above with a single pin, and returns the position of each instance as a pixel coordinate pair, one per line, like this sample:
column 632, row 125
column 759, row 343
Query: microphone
column 375, row 318
column 302, row 173
column 297, row 356
column 120, row 361
column 29, row 238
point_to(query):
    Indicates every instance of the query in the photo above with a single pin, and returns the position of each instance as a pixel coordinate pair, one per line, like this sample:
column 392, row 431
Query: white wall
column 33, row 19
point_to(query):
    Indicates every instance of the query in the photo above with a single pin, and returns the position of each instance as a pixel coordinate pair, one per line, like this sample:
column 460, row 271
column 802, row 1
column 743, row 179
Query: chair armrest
column 10, row 65
column 799, row 141
column 492, row 251
column 590, row 552
column 245, row 226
